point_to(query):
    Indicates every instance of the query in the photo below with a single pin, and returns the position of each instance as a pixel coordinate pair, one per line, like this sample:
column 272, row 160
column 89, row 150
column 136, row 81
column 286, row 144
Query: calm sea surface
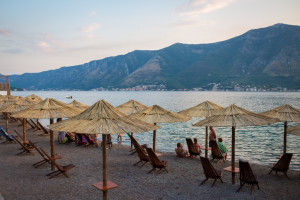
column 257, row 144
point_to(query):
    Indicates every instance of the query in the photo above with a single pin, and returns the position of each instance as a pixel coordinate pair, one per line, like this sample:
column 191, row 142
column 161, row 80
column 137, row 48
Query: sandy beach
column 19, row 180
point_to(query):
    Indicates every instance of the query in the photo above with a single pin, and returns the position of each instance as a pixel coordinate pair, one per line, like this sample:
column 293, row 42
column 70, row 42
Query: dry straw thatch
column 47, row 109
column 235, row 116
column 34, row 98
column 17, row 106
column 157, row 114
column 102, row 118
column 6, row 100
column 131, row 106
column 285, row 113
column 295, row 130
column 78, row 105
column 204, row 109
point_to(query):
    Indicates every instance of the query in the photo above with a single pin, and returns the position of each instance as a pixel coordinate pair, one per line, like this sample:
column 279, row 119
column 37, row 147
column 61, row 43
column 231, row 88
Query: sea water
column 257, row 144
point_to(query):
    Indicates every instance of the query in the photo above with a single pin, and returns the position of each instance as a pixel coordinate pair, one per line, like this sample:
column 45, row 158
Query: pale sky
column 40, row 35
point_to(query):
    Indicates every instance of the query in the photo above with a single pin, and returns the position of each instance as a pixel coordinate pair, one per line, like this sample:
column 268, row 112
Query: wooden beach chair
column 216, row 152
column 141, row 154
column 156, row 162
column 247, row 176
column 45, row 158
column 9, row 138
column 283, row 164
column 35, row 125
column 60, row 169
column 192, row 149
column 26, row 148
column 46, row 132
column 210, row 171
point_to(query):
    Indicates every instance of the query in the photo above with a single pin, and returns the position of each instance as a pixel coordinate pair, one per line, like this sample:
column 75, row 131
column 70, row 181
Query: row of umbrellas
column 103, row 118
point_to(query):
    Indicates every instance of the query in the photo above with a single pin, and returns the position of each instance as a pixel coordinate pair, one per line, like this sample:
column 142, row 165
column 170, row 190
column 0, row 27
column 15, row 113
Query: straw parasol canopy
column 295, row 130
column 48, row 109
column 286, row 113
column 235, row 116
column 34, row 98
column 204, row 109
column 78, row 105
column 103, row 118
column 156, row 114
column 16, row 107
column 131, row 106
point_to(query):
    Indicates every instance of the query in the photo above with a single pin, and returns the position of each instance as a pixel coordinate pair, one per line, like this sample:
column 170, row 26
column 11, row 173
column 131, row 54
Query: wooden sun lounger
column 141, row 154
column 283, row 164
column 192, row 149
column 43, row 128
column 210, row 171
column 247, row 176
column 35, row 125
column 26, row 148
column 156, row 162
column 60, row 169
column 9, row 138
column 216, row 152
column 45, row 158
column 30, row 124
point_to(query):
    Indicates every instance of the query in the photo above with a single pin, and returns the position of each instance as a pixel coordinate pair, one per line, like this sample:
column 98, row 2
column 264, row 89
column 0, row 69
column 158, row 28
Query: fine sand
column 19, row 180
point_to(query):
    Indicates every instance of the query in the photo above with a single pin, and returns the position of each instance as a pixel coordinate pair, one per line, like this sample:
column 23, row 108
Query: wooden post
column 233, row 155
column 131, row 144
column 284, row 137
column 104, row 171
column 6, row 123
column 24, row 130
column 206, row 141
column 154, row 138
column 37, row 124
column 52, row 145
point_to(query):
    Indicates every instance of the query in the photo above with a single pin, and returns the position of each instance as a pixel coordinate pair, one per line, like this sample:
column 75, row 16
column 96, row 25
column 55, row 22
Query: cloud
column 196, row 7
column 49, row 44
column 4, row 32
column 92, row 13
column 90, row 28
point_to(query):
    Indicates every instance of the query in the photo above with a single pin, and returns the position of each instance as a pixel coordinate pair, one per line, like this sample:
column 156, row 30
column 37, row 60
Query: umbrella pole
column 154, row 138
column 24, row 130
column 37, row 124
column 233, row 155
column 131, row 144
column 206, row 141
column 284, row 137
column 104, row 171
column 6, row 123
column 52, row 145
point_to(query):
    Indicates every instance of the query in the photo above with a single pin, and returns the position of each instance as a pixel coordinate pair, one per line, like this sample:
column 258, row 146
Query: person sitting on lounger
column 180, row 151
column 222, row 147
column 197, row 145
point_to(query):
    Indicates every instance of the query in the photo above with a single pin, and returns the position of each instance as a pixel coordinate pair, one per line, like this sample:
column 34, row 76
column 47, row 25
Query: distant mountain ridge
column 265, row 57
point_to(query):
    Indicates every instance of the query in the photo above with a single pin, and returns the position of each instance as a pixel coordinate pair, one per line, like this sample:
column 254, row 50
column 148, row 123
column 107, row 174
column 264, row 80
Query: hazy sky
column 39, row 35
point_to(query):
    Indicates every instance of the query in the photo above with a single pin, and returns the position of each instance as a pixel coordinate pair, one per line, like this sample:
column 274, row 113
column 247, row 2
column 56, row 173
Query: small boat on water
column 69, row 97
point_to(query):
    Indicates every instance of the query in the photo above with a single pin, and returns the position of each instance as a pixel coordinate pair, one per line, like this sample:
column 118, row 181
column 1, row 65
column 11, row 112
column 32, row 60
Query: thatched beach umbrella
column 131, row 106
column 295, row 130
column 235, row 116
column 78, row 105
column 34, row 98
column 103, row 118
column 286, row 113
column 204, row 109
column 5, row 101
column 48, row 109
column 16, row 107
column 156, row 114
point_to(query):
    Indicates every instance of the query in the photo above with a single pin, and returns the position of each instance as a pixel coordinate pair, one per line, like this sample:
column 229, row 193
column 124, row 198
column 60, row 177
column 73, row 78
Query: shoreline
column 19, row 180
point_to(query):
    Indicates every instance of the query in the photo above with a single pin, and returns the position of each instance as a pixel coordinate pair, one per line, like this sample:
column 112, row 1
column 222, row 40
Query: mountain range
column 266, row 58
